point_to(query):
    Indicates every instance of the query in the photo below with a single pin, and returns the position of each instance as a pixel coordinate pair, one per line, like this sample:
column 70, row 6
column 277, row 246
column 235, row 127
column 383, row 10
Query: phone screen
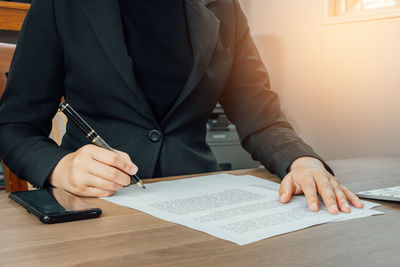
column 52, row 205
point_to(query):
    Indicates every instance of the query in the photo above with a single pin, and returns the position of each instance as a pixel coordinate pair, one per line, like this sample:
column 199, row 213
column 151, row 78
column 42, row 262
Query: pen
column 92, row 135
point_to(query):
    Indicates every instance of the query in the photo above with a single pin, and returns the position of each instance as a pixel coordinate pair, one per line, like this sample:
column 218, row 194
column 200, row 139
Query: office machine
column 223, row 139
column 2, row 185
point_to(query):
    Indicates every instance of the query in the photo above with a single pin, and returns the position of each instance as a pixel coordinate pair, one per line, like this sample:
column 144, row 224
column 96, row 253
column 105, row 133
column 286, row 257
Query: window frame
column 328, row 18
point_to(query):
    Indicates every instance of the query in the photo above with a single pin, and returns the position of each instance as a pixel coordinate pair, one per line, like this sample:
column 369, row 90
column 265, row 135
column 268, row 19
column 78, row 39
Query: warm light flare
column 357, row 5
column 370, row 4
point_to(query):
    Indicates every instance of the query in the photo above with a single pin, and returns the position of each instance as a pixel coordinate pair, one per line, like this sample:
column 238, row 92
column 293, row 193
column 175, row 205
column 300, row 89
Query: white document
column 240, row 209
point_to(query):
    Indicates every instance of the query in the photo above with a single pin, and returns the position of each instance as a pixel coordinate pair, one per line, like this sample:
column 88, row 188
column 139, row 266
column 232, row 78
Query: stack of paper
column 240, row 209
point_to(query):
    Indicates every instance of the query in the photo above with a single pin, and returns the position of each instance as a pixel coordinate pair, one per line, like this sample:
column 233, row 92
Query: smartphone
column 53, row 205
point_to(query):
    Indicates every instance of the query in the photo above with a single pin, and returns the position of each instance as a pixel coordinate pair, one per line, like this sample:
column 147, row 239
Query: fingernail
column 334, row 208
column 283, row 196
column 133, row 170
column 346, row 206
column 314, row 206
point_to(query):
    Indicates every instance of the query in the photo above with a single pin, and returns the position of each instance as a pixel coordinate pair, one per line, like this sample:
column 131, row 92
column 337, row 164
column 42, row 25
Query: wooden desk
column 125, row 237
column 12, row 15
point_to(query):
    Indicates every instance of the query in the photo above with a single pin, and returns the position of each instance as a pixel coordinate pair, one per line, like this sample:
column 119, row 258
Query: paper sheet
column 241, row 209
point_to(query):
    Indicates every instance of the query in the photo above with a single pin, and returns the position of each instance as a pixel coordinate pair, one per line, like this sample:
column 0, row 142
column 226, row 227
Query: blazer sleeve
column 33, row 92
column 255, row 109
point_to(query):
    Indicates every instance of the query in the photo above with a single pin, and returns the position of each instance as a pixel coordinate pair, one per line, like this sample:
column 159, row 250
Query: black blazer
column 76, row 49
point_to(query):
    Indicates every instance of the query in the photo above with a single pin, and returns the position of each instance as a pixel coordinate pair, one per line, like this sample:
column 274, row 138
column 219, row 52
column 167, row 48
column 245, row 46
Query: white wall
column 339, row 84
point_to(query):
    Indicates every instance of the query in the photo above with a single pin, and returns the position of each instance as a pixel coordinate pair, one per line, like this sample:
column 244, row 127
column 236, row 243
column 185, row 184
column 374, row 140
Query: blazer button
column 155, row 136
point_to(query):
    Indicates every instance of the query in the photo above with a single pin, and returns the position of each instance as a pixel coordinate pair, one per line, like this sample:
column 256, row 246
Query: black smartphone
column 53, row 205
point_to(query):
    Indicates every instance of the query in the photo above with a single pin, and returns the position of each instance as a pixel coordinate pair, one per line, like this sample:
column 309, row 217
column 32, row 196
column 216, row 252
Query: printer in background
column 223, row 139
column 2, row 185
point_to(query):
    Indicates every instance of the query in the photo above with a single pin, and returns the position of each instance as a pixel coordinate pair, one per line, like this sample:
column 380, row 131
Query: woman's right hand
column 92, row 171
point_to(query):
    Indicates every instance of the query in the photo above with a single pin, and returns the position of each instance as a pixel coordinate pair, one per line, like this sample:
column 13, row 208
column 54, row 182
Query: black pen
column 92, row 135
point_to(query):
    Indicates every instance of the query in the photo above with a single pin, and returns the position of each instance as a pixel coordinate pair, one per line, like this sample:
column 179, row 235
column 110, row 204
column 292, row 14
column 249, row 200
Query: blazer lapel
column 105, row 18
column 203, row 28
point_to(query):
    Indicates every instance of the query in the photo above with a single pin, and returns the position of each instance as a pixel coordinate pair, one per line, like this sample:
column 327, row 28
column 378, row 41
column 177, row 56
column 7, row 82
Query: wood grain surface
column 126, row 237
column 12, row 15
column 11, row 181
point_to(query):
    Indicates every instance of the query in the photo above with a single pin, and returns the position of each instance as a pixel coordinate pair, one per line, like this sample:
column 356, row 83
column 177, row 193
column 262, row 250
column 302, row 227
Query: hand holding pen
column 94, row 170
column 92, row 135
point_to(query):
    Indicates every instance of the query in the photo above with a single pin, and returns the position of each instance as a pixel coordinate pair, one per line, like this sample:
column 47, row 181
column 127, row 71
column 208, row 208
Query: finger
column 95, row 192
column 127, row 158
column 113, row 159
column 326, row 191
column 352, row 197
column 107, row 172
column 286, row 189
column 340, row 196
column 310, row 191
column 100, row 183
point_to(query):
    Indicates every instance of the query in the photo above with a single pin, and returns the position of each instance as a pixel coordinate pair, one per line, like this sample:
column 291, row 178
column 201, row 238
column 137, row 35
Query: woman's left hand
column 308, row 175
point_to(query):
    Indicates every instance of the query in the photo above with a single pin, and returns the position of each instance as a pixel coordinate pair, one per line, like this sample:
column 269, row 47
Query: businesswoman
column 146, row 75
